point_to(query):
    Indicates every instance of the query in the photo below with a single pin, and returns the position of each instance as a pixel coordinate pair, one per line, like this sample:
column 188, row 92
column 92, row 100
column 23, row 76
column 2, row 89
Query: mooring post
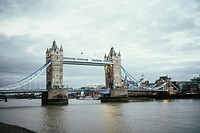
column 6, row 100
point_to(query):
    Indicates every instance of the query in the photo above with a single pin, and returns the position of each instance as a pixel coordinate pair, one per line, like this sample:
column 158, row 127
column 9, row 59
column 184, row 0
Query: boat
column 29, row 98
column 80, row 98
column 88, row 98
column 96, row 97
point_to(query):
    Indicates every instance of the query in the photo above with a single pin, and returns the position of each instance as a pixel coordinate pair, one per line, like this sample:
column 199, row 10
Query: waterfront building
column 162, row 80
column 195, row 84
column 183, row 86
column 191, row 86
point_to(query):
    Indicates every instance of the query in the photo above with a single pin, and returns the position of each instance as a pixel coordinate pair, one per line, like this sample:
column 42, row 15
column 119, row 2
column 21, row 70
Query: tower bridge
column 54, row 93
column 54, row 73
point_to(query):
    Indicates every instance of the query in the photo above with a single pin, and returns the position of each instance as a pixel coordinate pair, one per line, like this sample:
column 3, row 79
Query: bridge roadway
column 146, row 90
column 107, row 91
column 22, row 91
column 104, row 91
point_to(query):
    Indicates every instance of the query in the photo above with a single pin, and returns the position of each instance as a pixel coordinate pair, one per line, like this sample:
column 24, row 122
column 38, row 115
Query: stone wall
column 57, row 94
column 118, row 92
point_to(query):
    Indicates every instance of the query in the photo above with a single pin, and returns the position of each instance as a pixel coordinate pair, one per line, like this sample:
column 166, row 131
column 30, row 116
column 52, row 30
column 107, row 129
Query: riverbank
column 7, row 128
column 175, row 96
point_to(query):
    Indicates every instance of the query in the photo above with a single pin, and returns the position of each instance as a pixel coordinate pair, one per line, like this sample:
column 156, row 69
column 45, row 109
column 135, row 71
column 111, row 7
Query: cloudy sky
column 155, row 37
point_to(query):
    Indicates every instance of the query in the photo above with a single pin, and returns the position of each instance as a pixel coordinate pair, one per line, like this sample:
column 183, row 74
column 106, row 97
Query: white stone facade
column 54, row 73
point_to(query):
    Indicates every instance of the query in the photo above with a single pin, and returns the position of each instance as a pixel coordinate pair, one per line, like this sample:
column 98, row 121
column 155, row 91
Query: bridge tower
column 113, row 72
column 54, row 73
column 113, row 79
column 54, row 76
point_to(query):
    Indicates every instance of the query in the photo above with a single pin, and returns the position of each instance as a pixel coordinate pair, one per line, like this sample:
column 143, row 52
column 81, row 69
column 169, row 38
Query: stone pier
column 55, row 97
column 116, row 95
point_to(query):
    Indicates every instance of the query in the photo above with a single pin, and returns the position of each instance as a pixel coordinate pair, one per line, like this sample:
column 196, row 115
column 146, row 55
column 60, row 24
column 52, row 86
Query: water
column 82, row 116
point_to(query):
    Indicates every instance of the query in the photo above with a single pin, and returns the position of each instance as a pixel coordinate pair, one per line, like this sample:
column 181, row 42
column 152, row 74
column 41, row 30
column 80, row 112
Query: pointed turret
column 119, row 54
column 112, row 52
column 54, row 47
column 47, row 50
column 61, row 49
column 105, row 56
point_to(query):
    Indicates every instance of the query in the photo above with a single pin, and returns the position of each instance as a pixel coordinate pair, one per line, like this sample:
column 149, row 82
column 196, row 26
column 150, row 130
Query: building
column 195, row 84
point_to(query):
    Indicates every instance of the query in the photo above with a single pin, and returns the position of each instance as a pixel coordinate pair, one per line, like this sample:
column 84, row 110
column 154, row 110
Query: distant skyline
column 154, row 37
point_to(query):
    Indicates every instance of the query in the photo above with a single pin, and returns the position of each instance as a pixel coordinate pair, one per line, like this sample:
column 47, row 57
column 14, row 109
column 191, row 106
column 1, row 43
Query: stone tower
column 113, row 72
column 56, row 94
column 54, row 73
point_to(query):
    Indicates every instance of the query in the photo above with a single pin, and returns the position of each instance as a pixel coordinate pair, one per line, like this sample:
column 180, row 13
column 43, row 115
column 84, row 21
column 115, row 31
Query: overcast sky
column 155, row 37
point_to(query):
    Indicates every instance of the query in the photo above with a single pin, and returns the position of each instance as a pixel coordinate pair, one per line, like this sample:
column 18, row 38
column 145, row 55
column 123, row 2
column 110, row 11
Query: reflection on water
column 81, row 116
column 53, row 119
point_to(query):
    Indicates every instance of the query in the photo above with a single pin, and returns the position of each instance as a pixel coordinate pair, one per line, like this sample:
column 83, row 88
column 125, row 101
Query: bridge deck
column 22, row 91
column 145, row 90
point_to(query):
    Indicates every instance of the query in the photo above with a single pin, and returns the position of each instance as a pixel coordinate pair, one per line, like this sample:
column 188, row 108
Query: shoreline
column 9, row 128
column 175, row 96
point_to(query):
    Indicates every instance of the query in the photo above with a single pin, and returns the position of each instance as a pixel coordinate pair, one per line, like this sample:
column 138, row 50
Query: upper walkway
column 85, row 61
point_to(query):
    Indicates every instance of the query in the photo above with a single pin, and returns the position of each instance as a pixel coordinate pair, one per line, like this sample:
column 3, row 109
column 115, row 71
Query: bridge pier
column 55, row 97
column 116, row 95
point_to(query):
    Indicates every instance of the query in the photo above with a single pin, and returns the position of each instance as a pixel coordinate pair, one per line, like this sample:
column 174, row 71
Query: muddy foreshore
column 7, row 128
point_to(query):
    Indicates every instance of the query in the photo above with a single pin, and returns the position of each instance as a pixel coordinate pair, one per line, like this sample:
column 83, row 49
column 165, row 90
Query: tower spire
column 61, row 49
column 47, row 50
column 54, row 47
column 105, row 56
column 112, row 53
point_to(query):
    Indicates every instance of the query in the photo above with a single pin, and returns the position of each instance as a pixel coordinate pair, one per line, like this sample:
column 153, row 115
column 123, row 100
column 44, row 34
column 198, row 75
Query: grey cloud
column 7, row 8
column 14, row 58
column 98, row 25
column 190, row 48
column 32, row 8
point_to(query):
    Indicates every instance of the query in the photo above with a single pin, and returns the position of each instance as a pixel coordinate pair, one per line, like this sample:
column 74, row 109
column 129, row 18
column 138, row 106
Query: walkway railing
column 86, row 61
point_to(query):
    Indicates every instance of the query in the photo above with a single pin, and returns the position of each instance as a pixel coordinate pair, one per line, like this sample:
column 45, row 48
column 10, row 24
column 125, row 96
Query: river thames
column 92, row 116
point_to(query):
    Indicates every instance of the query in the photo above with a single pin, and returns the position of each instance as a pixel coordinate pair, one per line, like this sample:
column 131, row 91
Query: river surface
column 92, row 116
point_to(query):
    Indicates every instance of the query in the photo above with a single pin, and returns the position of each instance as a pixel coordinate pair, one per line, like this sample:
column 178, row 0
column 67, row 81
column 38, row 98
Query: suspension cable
column 129, row 75
column 27, row 79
